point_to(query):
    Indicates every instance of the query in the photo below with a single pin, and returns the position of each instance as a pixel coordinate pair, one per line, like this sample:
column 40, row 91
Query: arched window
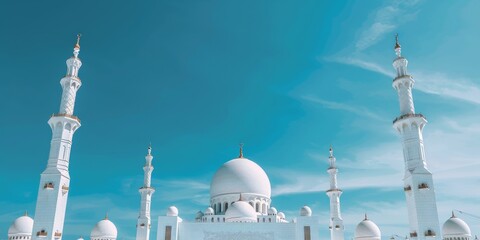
column 212, row 219
column 225, row 207
column 257, row 207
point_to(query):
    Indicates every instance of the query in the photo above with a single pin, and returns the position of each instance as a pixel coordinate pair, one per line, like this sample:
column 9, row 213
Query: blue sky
column 195, row 78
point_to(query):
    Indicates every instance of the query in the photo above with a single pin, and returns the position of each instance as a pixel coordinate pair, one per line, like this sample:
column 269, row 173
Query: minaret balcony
column 334, row 190
column 407, row 188
column 66, row 115
column 406, row 77
column 409, row 115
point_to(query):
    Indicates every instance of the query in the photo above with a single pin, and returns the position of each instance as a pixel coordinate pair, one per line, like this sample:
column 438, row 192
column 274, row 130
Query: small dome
column 367, row 229
column 281, row 215
column 456, row 227
column 272, row 211
column 199, row 215
column 209, row 211
column 172, row 211
column 240, row 212
column 104, row 229
column 306, row 211
column 21, row 226
column 240, row 175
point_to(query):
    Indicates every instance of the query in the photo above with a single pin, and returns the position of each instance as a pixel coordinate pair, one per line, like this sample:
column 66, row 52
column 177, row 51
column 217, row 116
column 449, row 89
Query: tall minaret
column 55, row 180
column 418, row 182
column 334, row 193
column 143, row 223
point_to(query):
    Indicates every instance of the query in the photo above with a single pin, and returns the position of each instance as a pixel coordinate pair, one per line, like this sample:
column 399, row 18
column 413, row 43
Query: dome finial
column 26, row 213
column 453, row 214
column 331, row 151
column 366, row 217
column 241, row 151
column 106, row 216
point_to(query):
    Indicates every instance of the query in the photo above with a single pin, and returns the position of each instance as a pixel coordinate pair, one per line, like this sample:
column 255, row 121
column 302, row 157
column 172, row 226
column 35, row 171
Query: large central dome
column 240, row 175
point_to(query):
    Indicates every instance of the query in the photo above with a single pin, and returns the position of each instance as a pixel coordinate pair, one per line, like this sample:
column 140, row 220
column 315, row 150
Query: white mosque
column 240, row 206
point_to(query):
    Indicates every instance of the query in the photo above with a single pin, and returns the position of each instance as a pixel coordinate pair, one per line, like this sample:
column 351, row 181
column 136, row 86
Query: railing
column 334, row 190
column 66, row 115
column 408, row 115
column 399, row 77
column 73, row 77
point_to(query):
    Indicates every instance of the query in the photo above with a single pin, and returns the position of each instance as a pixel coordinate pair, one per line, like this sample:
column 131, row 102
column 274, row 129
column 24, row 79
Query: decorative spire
column 77, row 45
column 149, row 149
column 398, row 48
column 240, row 198
column 366, row 217
column 106, row 216
column 241, row 151
column 331, row 158
column 26, row 213
column 453, row 214
column 76, row 49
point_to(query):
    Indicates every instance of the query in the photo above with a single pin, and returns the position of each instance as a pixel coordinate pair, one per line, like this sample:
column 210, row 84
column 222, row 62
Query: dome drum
column 221, row 204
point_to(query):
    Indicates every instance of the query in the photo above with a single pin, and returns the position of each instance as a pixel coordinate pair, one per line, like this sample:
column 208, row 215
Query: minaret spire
column 146, row 192
column 418, row 180
column 55, row 179
column 398, row 48
column 334, row 193
column 76, row 48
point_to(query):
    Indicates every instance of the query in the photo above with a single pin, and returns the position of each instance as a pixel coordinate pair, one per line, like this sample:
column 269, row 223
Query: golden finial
column 26, row 213
column 397, row 44
column 241, row 151
column 77, row 45
column 106, row 216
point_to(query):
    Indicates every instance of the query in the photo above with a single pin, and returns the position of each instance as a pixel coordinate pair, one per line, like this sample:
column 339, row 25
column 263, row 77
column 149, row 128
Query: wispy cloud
column 367, row 65
column 432, row 83
column 358, row 110
column 386, row 19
